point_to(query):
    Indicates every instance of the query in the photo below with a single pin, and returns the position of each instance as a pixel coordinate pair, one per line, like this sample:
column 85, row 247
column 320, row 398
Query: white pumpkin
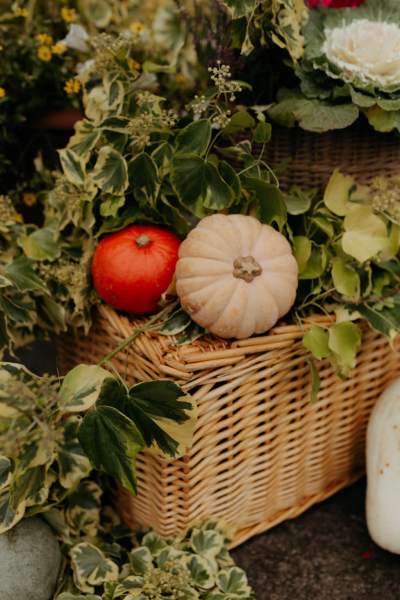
column 236, row 276
column 383, row 470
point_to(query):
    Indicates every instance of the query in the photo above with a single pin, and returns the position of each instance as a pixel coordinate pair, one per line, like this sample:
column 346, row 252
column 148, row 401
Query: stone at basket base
column 30, row 560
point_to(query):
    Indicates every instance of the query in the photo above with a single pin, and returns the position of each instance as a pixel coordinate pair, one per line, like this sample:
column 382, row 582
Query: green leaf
column 233, row 581
column 143, row 176
column 337, row 193
column 316, row 340
column 194, row 138
column 262, row 133
column 271, row 204
column 91, row 568
column 155, row 543
column 141, row 560
column 9, row 516
column 385, row 319
column 365, row 233
column 206, row 542
column 199, row 185
column 81, row 387
column 111, row 204
column 73, row 464
column 297, row 201
column 112, row 442
column 73, row 166
column 22, row 274
column 345, row 279
column 110, row 172
column 42, row 244
column 316, row 264
column 302, row 248
column 240, row 120
column 383, row 120
column 176, row 323
column 324, row 225
column 201, row 573
column 345, row 342
column 241, row 8
column 5, row 471
column 30, row 488
column 163, row 413
column 84, row 140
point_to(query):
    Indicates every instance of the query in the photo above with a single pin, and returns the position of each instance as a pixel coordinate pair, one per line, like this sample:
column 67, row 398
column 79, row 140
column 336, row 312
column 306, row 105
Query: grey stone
column 30, row 559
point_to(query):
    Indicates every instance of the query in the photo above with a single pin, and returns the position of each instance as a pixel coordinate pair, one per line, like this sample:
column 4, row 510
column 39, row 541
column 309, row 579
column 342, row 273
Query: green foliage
column 193, row 566
column 52, row 433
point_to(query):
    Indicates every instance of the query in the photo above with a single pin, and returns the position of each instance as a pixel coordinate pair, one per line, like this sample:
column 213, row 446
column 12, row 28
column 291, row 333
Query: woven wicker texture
column 262, row 452
column 310, row 158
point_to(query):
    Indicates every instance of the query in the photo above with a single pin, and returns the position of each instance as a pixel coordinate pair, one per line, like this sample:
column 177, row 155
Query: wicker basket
column 308, row 159
column 262, row 452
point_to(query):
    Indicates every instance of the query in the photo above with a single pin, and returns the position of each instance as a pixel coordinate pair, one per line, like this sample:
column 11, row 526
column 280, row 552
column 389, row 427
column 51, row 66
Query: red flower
column 335, row 3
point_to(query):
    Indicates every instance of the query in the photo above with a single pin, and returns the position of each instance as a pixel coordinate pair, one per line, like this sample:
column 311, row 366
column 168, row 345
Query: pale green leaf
column 206, row 542
column 141, row 560
column 302, row 251
column 345, row 342
column 365, row 233
column 337, row 192
column 9, row 516
column 201, row 573
column 233, row 581
column 91, row 568
column 316, row 340
column 42, row 244
column 345, row 279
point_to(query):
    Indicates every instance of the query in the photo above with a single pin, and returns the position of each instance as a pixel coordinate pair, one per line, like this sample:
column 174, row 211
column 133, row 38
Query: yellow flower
column 44, row 39
column 2, row 92
column 68, row 14
column 19, row 218
column 29, row 198
column 180, row 78
column 20, row 12
column 44, row 53
column 72, row 86
column 133, row 64
column 137, row 27
column 58, row 48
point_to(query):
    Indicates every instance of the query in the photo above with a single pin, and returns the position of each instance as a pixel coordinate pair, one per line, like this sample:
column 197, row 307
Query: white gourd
column 383, row 470
column 235, row 276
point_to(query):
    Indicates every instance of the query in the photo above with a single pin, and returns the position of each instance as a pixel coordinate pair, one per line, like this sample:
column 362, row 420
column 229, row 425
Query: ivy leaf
column 262, row 133
column 365, row 233
column 199, row 185
column 206, row 542
column 241, row 8
column 84, row 139
column 316, row 264
column 240, row 120
column 337, row 192
column 271, row 204
column 163, row 413
column 73, row 464
column 385, row 319
column 22, row 274
column 42, row 244
column 345, row 342
column 110, row 172
column 5, row 471
column 302, row 248
column 297, row 201
column 143, row 176
column 316, row 340
column 91, row 568
column 112, row 441
column 9, row 516
column 233, row 581
column 194, row 138
column 201, row 572
column 81, row 387
column 30, row 488
column 141, row 560
column 111, row 204
column 73, row 166
column 345, row 279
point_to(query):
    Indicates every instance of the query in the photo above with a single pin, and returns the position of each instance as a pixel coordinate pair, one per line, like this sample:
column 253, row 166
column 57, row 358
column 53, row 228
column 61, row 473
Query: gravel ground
column 325, row 553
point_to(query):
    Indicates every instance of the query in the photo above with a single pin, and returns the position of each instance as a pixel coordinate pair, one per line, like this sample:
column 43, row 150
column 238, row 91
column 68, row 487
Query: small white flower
column 85, row 66
column 366, row 50
column 76, row 38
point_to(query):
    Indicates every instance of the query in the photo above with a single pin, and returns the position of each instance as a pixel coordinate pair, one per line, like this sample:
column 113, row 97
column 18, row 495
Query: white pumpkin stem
column 246, row 268
column 143, row 240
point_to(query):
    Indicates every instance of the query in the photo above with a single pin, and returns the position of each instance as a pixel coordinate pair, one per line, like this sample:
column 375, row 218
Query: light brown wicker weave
column 262, row 452
column 310, row 158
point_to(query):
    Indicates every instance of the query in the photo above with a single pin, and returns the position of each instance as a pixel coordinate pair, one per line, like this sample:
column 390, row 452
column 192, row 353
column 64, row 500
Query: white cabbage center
column 366, row 50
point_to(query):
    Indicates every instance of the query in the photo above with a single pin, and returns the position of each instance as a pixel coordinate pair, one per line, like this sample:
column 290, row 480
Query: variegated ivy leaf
column 42, row 244
column 81, row 387
column 141, row 560
column 22, row 274
column 83, row 512
column 155, row 543
column 69, row 596
column 234, row 581
column 112, row 441
column 202, row 572
column 73, row 464
column 5, row 471
column 241, row 8
column 31, row 487
column 115, row 93
column 73, row 165
column 110, row 172
column 206, row 542
column 84, row 139
column 133, row 584
column 91, row 568
column 9, row 516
